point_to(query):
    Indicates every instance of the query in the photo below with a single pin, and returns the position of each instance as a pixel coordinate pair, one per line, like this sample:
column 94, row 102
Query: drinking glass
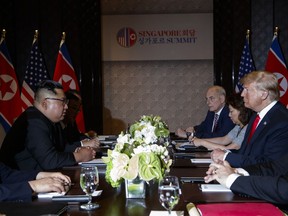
column 89, row 181
column 169, row 192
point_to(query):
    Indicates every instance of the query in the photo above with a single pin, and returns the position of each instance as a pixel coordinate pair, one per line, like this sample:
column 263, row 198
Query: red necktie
column 254, row 126
column 215, row 122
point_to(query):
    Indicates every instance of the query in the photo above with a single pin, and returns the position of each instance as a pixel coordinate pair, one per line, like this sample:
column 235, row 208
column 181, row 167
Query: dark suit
column 268, row 181
column 14, row 184
column 224, row 125
column 269, row 142
column 35, row 143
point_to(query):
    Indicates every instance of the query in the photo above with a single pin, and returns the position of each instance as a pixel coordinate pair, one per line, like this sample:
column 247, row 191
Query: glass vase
column 135, row 188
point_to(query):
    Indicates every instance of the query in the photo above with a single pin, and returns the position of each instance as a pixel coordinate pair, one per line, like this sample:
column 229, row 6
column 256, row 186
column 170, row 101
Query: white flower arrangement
column 140, row 152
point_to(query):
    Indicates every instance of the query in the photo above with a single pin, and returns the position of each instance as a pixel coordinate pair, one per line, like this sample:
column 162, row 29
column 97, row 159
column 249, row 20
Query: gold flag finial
column 36, row 34
column 3, row 34
column 248, row 33
column 63, row 36
column 276, row 31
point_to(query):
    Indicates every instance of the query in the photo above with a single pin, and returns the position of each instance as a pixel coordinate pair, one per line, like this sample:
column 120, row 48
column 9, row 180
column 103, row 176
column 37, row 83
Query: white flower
column 120, row 162
column 123, row 138
column 126, row 160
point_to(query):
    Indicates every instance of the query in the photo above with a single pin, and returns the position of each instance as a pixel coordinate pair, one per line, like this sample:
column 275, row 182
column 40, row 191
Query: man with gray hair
column 266, row 136
column 217, row 122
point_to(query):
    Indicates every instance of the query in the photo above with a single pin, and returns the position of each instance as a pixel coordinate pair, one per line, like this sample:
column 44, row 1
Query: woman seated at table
column 240, row 115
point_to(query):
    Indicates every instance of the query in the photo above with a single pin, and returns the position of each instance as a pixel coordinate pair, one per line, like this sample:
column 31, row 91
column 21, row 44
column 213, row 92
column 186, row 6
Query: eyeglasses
column 64, row 101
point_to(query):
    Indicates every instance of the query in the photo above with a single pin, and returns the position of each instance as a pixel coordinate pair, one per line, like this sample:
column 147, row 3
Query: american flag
column 246, row 64
column 35, row 72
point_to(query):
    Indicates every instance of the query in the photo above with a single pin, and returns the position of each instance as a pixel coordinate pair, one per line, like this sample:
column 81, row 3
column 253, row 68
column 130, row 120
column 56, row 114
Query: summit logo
column 126, row 37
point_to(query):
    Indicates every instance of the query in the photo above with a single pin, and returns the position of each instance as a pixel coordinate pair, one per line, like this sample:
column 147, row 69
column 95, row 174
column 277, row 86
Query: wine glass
column 169, row 192
column 89, row 181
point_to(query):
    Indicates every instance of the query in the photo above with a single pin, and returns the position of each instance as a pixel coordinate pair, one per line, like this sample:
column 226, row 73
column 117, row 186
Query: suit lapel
column 264, row 122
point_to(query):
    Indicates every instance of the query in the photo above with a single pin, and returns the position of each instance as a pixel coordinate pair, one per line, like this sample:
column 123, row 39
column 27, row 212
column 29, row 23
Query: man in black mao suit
column 18, row 185
column 216, row 102
column 35, row 141
column 270, row 139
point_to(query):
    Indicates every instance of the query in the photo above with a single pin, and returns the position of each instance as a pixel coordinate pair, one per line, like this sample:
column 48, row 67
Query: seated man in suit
column 267, row 181
column 20, row 185
column 35, row 141
column 69, row 124
column 270, row 123
column 212, row 126
column 240, row 115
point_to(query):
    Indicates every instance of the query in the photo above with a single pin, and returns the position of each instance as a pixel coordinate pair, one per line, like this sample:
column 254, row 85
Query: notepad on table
column 91, row 162
column 50, row 194
column 214, row 188
column 201, row 160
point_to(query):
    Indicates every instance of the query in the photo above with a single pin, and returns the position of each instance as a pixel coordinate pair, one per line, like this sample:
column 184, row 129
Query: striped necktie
column 215, row 122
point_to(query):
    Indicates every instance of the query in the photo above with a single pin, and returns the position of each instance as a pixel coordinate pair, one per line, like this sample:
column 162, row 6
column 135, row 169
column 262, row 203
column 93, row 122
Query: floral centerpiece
column 140, row 152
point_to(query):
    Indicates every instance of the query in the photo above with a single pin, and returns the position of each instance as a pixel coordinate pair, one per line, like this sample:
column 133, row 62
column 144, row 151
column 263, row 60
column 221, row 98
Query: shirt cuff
column 226, row 153
column 242, row 172
column 231, row 178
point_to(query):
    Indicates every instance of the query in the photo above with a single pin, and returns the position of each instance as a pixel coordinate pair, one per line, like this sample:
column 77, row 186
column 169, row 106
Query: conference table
column 112, row 201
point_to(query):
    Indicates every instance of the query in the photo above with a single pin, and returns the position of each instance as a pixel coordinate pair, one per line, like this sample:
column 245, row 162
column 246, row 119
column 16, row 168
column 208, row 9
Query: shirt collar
column 264, row 111
column 219, row 112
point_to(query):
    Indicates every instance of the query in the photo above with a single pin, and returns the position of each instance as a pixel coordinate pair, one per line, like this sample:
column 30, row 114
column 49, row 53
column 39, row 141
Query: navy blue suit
column 268, row 181
column 14, row 184
column 224, row 126
column 269, row 141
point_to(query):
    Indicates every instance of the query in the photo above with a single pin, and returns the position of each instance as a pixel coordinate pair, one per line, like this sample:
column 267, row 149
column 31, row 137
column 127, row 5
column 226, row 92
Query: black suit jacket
column 35, row 143
column 14, row 184
column 269, row 141
column 268, row 181
column 224, row 125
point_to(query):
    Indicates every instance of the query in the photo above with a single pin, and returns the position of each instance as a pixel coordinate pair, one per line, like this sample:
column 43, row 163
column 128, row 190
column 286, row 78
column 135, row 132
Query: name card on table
column 201, row 160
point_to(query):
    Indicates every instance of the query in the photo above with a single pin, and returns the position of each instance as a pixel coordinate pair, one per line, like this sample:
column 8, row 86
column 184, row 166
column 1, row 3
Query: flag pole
column 276, row 31
column 3, row 34
column 248, row 34
column 36, row 34
column 63, row 36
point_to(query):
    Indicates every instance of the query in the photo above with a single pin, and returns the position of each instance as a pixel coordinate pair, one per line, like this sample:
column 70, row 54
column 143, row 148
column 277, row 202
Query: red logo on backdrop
column 126, row 37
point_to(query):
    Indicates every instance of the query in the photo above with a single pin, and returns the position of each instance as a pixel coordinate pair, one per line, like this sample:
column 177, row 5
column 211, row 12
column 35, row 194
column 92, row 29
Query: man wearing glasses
column 35, row 141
